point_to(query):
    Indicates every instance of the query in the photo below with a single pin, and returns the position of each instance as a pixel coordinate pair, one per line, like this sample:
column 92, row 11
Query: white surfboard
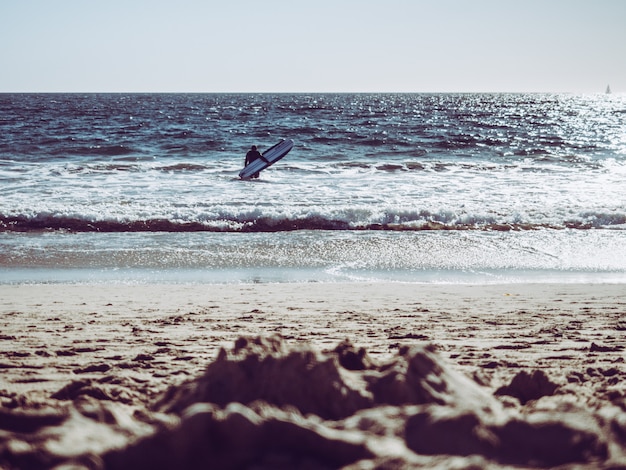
column 269, row 157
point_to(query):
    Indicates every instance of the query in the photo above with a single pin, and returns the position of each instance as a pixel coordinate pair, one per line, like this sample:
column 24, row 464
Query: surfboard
column 268, row 158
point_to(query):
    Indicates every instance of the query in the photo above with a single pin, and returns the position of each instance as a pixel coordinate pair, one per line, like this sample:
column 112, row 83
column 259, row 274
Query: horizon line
column 299, row 92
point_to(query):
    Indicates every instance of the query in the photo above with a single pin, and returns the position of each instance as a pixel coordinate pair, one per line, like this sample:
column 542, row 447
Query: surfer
column 252, row 155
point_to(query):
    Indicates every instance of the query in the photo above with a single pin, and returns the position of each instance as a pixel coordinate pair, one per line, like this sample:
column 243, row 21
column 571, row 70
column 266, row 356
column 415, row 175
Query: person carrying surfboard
column 252, row 155
column 257, row 162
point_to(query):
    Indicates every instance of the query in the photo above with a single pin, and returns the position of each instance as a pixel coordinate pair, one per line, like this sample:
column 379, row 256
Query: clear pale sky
column 574, row 46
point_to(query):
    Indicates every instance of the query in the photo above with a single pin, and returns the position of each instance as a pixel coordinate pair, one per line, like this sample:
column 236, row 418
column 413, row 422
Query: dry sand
column 433, row 376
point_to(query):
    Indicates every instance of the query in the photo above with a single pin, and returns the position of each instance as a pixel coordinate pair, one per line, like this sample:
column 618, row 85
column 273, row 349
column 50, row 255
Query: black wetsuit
column 251, row 156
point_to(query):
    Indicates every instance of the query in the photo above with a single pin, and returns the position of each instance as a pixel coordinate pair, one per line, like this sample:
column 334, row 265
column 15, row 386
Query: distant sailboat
column 608, row 90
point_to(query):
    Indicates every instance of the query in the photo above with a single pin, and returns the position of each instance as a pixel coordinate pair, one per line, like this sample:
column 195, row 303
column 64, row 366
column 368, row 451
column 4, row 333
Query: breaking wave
column 254, row 223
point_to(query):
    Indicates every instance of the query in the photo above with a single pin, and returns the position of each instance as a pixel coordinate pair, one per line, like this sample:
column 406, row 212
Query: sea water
column 378, row 187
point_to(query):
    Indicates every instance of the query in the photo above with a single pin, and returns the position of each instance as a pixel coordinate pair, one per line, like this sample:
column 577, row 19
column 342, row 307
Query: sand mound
column 332, row 385
column 266, row 404
column 526, row 387
column 277, row 406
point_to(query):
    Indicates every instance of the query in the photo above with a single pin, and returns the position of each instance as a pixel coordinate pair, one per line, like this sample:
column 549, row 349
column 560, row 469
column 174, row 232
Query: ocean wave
column 183, row 166
column 95, row 168
column 101, row 150
column 123, row 166
column 169, row 162
column 285, row 224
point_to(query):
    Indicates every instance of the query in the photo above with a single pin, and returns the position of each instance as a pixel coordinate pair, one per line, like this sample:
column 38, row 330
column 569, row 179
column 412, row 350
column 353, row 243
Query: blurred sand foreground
column 313, row 375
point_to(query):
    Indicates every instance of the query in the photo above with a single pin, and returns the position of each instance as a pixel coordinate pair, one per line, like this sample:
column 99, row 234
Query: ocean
column 432, row 188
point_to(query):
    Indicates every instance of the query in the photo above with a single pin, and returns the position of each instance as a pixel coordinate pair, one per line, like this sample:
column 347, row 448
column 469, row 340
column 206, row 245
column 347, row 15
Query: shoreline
column 131, row 343
column 234, row 277
column 576, row 256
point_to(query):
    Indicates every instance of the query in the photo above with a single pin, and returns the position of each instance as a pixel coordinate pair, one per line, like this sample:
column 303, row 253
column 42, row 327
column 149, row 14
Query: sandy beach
column 313, row 375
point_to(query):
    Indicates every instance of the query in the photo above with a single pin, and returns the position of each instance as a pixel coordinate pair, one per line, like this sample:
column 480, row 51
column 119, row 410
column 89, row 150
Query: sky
column 575, row 46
